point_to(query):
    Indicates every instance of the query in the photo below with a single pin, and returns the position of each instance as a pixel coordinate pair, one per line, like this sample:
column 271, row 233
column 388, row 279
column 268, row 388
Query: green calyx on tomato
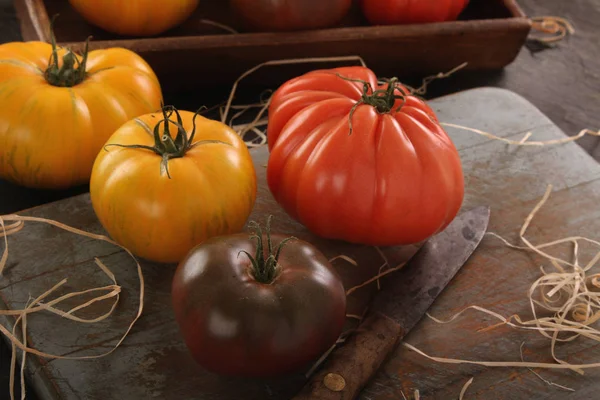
column 265, row 269
column 383, row 100
column 72, row 71
column 164, row 144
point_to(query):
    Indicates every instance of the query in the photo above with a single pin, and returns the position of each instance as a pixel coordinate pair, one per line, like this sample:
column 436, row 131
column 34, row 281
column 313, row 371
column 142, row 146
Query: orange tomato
column 55, row 116
column 160, row 194
column 135, row 17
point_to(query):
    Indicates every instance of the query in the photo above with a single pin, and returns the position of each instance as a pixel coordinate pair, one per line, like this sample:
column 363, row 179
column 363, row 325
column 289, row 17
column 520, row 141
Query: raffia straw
column 525, row 141
column 245, row 107
column 243, row 129
column 464, row 389
column 417, row 394
column 341, row 339
column 385, row 264
column 12, row 228
column 516, row 364
column 422, row 90
column 261, row 135
column 380, row 275
column 261, row 123
column 283, row 62
column 570, row 293
column 354, row 316
column 345, row 258
column 557, row 27
column 374, row 279
column 38, row 304
column 252, row 125
column 115, row 290
column 219, row 25
column 24, row 356
column 547, row 382
column 229, row 104
column 242, row 109
column 13, row 358
column 23, row 320
column 321, row 360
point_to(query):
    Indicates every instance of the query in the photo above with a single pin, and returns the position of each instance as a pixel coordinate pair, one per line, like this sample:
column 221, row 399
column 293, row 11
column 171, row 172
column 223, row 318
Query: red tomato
column 393, row 12
column 257, row 305
column 290, row 15
column 395, row 178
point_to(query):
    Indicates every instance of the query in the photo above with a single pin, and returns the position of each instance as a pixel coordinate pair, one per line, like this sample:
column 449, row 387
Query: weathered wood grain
column 563, row 81
column 153, row 362
column 511, row 180
column 354, row 363
column 154, row 352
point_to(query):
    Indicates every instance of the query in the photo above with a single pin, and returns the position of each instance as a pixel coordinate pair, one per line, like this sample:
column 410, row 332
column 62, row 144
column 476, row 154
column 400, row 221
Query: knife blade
column 401, row 303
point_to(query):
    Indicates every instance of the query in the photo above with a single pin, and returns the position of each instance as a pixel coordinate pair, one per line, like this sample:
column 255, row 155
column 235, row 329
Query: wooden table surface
column 154, row 362
column 563, row 82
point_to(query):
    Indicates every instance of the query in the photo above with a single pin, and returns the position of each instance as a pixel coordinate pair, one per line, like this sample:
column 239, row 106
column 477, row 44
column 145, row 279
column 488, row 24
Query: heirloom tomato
column 361, row 161
column 257, row 306
column 290, row 15
column 57, row 109
column 166, row 182
column 135, row 17
column 393, row 12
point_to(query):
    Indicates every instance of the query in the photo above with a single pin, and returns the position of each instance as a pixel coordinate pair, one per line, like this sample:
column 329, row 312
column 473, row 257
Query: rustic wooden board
column 153, row 362
column 488, row 35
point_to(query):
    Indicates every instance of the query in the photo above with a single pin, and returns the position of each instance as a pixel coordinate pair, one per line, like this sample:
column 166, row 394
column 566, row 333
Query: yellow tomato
column 57, row 109
column 160, row 194
column 135, row 17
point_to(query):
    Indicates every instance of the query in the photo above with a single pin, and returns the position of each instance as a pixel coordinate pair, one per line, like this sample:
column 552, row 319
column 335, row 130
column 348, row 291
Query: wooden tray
column 488, row 35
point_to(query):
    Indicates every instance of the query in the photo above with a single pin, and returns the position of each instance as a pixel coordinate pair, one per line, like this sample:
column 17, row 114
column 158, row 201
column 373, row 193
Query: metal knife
column 401, row 303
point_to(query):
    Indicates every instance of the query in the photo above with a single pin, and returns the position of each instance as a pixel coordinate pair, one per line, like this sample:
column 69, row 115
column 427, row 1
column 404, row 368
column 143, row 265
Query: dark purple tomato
column 249, row 307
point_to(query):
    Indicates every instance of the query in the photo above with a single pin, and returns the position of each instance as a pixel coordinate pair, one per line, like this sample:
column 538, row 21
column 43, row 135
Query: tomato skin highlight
column 290, row 15
column 396, row 179
column 135, row 17
column 398, row 12
column 211, row 189
column 50, row 135
column 236, row 326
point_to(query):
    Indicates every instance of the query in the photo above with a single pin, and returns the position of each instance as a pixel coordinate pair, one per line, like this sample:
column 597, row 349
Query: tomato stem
column 164, row 144
column 265, row 268
column 383, row 100
column 72, row 71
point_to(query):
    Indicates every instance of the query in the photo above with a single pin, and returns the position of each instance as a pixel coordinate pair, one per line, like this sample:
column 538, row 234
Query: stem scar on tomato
column 382, row 100
column 73, row 71
column 265, row 269
column 164, row 144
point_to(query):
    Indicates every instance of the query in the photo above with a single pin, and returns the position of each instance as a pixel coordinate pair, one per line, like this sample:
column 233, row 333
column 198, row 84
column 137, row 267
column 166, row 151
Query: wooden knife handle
column 352, row 365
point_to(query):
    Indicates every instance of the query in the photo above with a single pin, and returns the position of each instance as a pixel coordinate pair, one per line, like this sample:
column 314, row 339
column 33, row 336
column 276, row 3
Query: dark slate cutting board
column 153, row 361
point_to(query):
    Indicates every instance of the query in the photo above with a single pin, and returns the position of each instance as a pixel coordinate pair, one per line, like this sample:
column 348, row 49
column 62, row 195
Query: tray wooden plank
column 489, row 35
column 154, row 363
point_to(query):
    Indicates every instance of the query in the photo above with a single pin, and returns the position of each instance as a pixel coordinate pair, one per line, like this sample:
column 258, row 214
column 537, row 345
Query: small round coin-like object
column 334, row 382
